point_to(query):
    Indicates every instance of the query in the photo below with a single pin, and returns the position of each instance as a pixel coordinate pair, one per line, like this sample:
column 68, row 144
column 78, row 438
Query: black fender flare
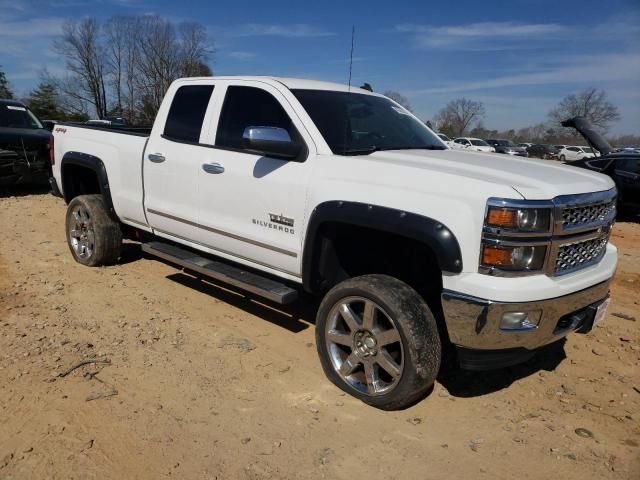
column 96, row 165
column 437, row 236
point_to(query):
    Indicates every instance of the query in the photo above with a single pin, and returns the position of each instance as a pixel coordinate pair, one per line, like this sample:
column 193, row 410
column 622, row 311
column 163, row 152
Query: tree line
column 465, row 117
column 121, row 67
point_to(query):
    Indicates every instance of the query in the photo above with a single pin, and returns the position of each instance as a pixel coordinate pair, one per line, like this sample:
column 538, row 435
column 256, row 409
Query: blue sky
column 519, row 57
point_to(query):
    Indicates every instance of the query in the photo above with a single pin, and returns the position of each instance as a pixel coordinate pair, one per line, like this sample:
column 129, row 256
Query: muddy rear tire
column 94, row 238
column 378, row 341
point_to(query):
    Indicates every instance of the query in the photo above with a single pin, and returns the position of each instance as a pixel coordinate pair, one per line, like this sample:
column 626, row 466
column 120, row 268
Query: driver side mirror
column 48, row 125
column 271, row 142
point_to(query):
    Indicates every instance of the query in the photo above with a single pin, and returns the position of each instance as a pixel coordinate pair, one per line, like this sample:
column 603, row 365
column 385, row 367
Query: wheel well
column 344, row 251
column 79, row 180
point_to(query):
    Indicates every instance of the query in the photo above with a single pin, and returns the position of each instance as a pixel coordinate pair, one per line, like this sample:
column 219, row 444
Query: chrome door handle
column 156, row 157
column 212, row 168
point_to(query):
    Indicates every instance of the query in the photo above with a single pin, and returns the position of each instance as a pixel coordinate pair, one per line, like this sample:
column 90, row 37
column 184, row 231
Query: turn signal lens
column 502, row 217
column 496, row 256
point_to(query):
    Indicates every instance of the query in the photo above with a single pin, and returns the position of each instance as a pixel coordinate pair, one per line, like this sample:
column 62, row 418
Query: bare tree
column 459, row 115
column 590, row 103
column 81, row 46
column 398, row 98
column 194, row 50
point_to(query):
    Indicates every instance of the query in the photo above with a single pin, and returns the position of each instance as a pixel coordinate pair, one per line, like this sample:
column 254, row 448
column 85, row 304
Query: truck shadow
column 301, row 315
column 467, row 384
column 295, row 318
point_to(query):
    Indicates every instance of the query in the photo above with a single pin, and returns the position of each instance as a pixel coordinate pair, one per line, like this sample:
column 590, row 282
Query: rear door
column 172, row 162
column 253, row 207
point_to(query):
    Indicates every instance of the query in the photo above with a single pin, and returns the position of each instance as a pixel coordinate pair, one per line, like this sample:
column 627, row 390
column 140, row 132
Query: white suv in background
column 575, row 153
column 470, row 143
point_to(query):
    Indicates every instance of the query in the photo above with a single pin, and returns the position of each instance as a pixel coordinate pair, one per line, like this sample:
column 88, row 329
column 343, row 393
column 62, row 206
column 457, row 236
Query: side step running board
column 251, row 282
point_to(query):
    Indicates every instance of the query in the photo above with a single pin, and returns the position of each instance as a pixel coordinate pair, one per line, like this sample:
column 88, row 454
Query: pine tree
column 5, row 91
column 43, row 101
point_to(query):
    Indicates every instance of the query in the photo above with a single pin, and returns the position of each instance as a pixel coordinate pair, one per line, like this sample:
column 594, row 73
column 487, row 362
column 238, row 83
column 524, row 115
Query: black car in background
column 622, row 166
column 507, row 147
column 24, row 145
column 540, row 150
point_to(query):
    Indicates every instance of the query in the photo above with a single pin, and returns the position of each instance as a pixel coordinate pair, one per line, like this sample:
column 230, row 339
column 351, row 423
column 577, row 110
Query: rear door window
column 186, row 114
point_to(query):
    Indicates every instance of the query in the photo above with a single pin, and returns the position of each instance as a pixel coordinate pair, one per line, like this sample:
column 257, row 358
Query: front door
column 253, row 207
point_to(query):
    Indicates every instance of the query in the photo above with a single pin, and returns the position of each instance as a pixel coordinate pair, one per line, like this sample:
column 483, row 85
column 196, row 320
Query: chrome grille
column 584, row 215
column 573, row 256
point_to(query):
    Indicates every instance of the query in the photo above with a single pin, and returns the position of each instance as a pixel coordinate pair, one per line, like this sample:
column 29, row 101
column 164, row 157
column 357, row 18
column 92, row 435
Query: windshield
column 357, row 124
column 14, row 116
column 443, row 137
column 479, row 143
column 506, row 143
column 586, row 149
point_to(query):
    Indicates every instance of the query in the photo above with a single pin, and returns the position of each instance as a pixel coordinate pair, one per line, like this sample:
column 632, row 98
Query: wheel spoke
column 368, row 315
column 349, row 365
column 76, row 216
column 349, row 317
column 371, row 376
column 387, row 363
column 74, row 233
column 387, row 337
column 340, row 338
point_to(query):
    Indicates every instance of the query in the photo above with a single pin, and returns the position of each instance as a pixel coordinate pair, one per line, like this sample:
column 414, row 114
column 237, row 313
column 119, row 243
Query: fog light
column 523, row 321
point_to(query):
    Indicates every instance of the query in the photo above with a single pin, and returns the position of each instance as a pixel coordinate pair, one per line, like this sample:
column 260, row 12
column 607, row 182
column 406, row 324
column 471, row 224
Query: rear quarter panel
column 121, row 155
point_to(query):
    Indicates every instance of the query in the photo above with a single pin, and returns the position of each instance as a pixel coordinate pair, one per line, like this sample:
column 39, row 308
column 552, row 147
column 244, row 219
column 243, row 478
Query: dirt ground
column 195, row 381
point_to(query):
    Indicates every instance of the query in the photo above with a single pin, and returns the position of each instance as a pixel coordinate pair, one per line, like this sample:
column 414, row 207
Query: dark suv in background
column 24, row 145
column 544, row 151
column 623, row 166
column 507, row 147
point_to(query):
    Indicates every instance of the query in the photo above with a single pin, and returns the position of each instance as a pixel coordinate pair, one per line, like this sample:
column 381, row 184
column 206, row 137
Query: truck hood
column 533, row 179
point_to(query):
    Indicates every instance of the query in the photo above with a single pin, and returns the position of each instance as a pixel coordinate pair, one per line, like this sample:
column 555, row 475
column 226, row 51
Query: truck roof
column 291, row 83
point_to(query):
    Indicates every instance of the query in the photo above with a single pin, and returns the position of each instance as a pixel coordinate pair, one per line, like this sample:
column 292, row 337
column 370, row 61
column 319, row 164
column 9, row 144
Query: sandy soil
column 199, row 382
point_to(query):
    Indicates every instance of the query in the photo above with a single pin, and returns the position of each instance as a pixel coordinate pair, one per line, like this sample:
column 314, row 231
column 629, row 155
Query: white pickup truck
column 278, row 186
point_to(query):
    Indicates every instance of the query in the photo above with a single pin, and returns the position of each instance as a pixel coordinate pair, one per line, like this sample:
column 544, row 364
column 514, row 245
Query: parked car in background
column 24, row 145
column 445, row 139
column 544, row 151
column 575, row 152
column 622, row 166
column 560, row 147
column 507, row 147
column 470, row 143
column 525, row 144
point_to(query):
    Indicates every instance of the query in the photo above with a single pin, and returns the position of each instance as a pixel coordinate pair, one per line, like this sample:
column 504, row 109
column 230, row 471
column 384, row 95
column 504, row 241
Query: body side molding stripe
column 220, row 232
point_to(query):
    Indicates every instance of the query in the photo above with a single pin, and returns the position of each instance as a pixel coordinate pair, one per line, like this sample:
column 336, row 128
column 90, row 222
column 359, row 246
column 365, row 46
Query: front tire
column 94, row 238
column 562, row 158
column 378, row 341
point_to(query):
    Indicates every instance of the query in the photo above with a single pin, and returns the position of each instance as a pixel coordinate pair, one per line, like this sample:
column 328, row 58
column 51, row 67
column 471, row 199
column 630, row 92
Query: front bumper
column 474, row 323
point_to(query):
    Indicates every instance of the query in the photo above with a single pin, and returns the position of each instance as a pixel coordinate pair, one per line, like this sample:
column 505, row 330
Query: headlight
column 513, row 257
column 516, row 236
column 520, row 219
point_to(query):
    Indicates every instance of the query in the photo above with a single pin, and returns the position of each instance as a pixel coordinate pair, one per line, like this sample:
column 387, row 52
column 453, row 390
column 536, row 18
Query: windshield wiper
column 360, row 151
column 421, row 147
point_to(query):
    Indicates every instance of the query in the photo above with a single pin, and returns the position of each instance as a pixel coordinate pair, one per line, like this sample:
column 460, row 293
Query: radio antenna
column 353, row 34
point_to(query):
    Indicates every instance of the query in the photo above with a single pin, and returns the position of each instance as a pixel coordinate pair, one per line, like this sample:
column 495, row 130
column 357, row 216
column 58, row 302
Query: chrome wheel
column 364, row 346
column 81, row 233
